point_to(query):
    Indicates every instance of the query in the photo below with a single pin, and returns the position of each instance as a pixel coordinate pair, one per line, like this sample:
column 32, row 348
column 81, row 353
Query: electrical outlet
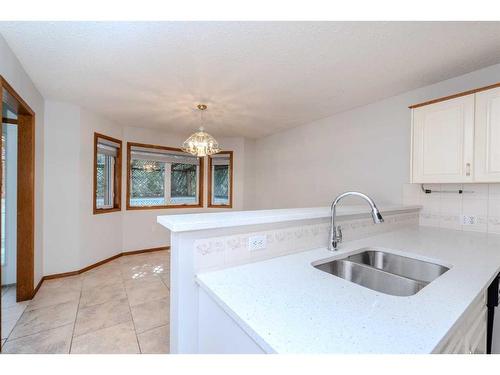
column 257, row 242
column 469, row 220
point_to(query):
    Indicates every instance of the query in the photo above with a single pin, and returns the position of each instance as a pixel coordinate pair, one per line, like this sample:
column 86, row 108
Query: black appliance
column 492, row 303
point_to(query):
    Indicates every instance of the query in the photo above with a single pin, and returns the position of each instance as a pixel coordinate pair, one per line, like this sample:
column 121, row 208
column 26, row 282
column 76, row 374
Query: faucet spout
column 336, row 231
column 377, row 217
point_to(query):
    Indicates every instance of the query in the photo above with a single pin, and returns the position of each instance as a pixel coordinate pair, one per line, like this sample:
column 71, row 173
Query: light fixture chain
column 201, row 119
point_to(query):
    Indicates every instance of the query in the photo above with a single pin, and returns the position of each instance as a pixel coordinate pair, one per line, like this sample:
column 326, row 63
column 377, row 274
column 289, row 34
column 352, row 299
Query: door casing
column 25, row 192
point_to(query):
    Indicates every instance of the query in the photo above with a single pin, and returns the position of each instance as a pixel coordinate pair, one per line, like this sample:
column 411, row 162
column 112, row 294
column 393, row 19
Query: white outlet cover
column 258, row 242
column 469, row 220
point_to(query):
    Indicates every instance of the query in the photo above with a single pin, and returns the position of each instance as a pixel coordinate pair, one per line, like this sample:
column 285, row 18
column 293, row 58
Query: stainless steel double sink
column 384, row 272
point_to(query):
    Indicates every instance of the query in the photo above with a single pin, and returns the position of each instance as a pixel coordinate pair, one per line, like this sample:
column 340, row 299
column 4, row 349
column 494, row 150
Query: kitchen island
column 285, row 305
column 244, row 282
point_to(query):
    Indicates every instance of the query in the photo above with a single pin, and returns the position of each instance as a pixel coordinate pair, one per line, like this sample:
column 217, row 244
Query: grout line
column 48, row 306
column 132, row 318
column 164, row 283
column 76, row 316
column 17, row 321
column 151, row 329
column 36, row 333
column 102, row 303
column 101, row 329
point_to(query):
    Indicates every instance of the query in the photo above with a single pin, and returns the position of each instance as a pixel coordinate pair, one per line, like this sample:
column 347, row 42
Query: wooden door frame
column 25, row 258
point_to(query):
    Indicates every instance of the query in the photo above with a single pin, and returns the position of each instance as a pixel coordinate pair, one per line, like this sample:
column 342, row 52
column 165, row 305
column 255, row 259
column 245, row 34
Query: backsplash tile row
column 445, row 210
column 219, row 252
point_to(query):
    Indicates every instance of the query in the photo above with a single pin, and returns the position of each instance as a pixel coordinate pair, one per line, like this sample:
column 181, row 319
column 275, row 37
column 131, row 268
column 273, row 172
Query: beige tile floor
column 11, row 311
column 119, row 307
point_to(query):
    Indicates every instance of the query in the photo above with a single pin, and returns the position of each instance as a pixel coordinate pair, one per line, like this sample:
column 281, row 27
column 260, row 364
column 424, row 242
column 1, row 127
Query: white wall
column 62, row 189
column 249, row 184
column 12, row 70
column 74, row 236
column 366, row 149
column 100, row 235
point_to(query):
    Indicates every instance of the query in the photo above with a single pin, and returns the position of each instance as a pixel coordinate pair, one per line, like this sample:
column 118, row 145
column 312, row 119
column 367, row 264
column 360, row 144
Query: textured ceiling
column 257, row 77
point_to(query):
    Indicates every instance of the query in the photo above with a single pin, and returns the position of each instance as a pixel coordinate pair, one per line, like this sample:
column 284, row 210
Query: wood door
column 487, row 136
column 443, row 141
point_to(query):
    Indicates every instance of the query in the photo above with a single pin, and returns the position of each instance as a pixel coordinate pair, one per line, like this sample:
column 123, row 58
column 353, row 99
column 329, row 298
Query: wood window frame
column 25, row 258
column 168, row 206
column 231, row 182
column 117, row 185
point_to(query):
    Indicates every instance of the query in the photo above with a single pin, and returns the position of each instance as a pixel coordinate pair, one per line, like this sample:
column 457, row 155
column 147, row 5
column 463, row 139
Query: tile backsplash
column 446, row 210
column 225, row 251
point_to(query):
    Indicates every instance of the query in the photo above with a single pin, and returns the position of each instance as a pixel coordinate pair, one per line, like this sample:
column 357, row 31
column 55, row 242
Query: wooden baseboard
column 100, row 263
column 37, row 287
column 134, row 252
column 59, row 275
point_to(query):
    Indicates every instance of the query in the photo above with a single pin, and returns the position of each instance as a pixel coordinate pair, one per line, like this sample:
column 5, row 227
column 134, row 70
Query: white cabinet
column 218, row 333
column 487, row 144
column 443, row 141
column 457, row 140
column 469, row 335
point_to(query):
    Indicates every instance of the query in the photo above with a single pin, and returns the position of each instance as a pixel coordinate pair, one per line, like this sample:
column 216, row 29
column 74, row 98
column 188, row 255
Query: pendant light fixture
column 201, row 143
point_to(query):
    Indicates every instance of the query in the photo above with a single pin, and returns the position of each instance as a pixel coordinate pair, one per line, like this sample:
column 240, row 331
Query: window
column 220, row 180
column 107, row 174
column 163, row 177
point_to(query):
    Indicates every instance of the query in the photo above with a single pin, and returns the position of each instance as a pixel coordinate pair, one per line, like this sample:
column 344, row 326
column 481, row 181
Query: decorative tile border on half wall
column 220, row 252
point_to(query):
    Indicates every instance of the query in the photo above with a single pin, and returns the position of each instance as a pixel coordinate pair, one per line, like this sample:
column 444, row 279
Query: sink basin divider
column 384, row 272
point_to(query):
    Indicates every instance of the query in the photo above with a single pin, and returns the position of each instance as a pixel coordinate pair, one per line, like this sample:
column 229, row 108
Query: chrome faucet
column 336, row 231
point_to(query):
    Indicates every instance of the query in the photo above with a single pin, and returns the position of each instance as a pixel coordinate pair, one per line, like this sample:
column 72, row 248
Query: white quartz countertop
column 213, row 220
column 288, row 306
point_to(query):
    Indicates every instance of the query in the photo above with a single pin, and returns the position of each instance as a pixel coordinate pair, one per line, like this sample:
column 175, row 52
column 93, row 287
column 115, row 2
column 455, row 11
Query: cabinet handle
column 467, row 169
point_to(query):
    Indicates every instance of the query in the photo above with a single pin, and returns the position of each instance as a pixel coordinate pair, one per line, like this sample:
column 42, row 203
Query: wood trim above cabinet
column 444, row 98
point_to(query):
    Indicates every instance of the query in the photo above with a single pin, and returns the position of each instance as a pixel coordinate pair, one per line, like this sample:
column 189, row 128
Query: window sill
column 98, row 211
column 178, row 206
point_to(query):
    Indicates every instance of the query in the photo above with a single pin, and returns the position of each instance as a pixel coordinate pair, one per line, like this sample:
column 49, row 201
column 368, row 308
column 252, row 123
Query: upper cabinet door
column 443, row 141
column 487, row 164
